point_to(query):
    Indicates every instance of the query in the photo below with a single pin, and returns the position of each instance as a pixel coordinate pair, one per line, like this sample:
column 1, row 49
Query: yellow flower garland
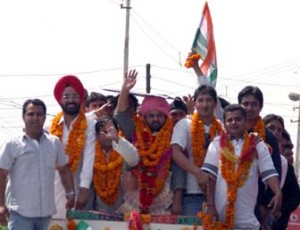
column 76, row 137
column 107, row 175
column 198, row 137
column 234, row 179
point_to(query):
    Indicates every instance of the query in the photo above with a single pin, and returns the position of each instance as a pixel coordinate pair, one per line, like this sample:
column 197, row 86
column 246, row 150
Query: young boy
column 234, row 159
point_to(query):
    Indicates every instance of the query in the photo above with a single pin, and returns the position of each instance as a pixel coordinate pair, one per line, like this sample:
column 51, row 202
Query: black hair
column 234, row 107
column 178, row 103
column 287, row 136
column 270, row 117
column 131, row 97
column 205, row 89
column 223, row 102
column 102, row 121
column 35, row 102
column 109, row 97
column 251, row 91
column 94, row 96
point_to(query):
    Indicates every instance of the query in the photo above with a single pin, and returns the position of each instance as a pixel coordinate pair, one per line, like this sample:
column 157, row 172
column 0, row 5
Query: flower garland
column 71, row 224
column 76, row 137
column 155, row 161
column 107, row 175
column 191, row 59
column 198, row 137
column 136, row 220
column 53, row 227
column 260, row 128
column 234, row 178
column 152, row 150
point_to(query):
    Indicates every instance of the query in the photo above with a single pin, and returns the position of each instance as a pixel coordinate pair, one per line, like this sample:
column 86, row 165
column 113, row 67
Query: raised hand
column 109, row 131
column 130, row 80
column 194, row 63
column 188, row 100
column 106, row 109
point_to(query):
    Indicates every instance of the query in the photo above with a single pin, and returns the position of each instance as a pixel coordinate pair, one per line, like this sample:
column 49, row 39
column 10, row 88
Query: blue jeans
column 192, row 204
column 17, row 222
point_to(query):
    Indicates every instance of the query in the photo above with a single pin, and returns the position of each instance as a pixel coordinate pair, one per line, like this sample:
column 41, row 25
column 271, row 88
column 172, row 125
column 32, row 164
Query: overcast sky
column 256, row 41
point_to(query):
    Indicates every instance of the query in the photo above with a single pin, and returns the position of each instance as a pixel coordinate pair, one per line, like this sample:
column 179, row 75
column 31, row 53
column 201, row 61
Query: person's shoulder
column 16, row 140
column 215, row 141
column 91, row 121
column 51, row 137
column 184, row 122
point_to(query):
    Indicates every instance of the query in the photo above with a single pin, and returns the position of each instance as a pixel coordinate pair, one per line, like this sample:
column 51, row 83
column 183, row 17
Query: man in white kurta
column 69, row 93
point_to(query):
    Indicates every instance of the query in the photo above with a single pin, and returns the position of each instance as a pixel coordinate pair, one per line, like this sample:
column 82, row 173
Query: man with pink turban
column 151, row 133
column 78, row 137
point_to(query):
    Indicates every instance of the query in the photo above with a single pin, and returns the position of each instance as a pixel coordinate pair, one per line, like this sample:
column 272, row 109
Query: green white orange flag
column 204, row 44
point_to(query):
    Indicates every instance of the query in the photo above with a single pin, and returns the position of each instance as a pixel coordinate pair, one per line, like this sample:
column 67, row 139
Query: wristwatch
column 69, row 194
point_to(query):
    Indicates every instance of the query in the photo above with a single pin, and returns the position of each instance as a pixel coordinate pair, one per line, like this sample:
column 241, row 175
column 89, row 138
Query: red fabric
column 65, row 81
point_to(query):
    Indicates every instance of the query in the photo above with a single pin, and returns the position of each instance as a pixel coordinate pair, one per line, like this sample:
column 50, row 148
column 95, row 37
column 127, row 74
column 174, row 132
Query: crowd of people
column 196, row 156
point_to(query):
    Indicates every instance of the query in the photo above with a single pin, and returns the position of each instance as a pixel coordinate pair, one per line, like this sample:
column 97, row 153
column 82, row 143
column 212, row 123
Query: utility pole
column 296, row 97
column 126, row 45
column 148, row 77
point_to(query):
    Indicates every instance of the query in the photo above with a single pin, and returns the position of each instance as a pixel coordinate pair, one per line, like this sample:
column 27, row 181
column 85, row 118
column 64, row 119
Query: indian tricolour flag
column 82, row 225
column 204, row 44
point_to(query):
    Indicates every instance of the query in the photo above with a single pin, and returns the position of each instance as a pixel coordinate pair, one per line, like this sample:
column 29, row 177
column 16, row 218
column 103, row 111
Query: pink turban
column 65, row 81
column 155, row 103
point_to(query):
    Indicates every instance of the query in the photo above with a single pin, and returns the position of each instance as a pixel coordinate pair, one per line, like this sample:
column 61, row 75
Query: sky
column 256, row 44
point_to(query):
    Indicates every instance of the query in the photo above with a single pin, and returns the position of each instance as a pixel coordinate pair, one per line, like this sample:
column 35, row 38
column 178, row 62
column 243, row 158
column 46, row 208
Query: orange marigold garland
column 107, row 174
column 198, row 137
column 76, row 137
column 191, row 59
column 235, row 178
column 155, row 160
column 71, row 225
column 260, row 128
column 152, row 150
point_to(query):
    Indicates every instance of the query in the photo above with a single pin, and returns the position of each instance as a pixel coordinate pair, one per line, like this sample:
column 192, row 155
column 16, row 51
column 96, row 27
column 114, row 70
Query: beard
column 155, row 126
column 71, row 108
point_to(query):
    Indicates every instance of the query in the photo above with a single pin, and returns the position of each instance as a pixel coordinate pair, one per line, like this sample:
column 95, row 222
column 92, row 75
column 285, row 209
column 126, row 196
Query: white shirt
column 85, row 168
column 32, row 165
column 84, row 173
column 182, row 137
column 128, row 151
column 247, row 194
column 284, row 168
